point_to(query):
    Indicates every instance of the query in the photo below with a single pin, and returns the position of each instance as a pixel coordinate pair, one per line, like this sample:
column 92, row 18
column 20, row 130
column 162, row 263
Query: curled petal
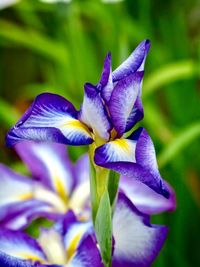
column 106, row 84
column 145, row 199
column 49, row 163
column 94, row 114
column 135, row 62
column 133, row 157
column 122, row 106
column 50, row 118
column 136, row 241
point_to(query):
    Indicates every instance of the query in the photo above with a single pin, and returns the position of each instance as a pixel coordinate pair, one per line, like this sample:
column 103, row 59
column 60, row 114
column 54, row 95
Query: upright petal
column 135, row 62
column 50, row 164
column 123, row 111
column 105, row 84
column 136, row 241
column 133, row 157
column 145, row 199
column 94, row 114
column 50, row 118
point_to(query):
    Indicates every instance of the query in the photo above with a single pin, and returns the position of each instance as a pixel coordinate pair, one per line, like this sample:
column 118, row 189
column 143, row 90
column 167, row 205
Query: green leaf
column 113, row 183
column 6, row 110
column 34, row 40
column 103, row 228
column 170, row 73
column 184, row 138
column 93, row 191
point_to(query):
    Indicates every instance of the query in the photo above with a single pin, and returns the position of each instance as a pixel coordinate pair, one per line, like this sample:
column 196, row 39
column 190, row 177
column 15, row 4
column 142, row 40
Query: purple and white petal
column 137, row 114
column 50, row 118
column 80, row 197
column 20, row 245
column 119, row 150
column 13, row 186
column 75, row 234
column 122, row 102
column 94, row 114
column 87, row 254
column 105, row 84
column 50, row 164
column 133, row 157
column 51, row 242
column 135, row 62
column 136, row 241
column 145, row 199
column 19, row 215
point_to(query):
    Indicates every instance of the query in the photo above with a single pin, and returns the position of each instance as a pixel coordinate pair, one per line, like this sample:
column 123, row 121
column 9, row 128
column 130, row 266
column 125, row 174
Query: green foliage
column 103, row 228
column 113, row 183
column 57, row 48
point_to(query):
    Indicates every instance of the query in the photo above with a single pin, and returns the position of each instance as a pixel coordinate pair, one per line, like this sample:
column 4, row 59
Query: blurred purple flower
column 59, row 185
column 72, row 243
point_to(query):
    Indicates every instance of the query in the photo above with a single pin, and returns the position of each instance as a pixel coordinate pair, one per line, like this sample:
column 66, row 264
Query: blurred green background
column 58, row 47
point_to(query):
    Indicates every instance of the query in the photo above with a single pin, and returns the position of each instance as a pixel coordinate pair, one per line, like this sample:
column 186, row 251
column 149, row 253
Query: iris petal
column 122, row 105
column 145, row 199
column 137, row 242
column 106, row 83
column 50, row 164
column 20, row 245
column 135, row 158
column 135, row 62
column 94, row 114
column 13, row 186
column 50, row 118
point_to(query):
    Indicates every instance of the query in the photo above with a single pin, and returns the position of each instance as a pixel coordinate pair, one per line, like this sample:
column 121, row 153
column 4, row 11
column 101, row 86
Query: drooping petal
column 133, row 157
column 105, row 84
column 87, row 255
column 135, row 62
column 19, row 215
column 50, row 164
column 20, row 245
column 136, row 241
column 124, row 113
column 75, row 234
column 13, row 186
column 79, row 241
column 50, row 118
column 94, row 114
column 145, row 199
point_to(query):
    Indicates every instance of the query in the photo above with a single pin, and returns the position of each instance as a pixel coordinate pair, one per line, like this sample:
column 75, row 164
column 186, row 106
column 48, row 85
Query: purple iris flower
column 58, row 185
column 72, row 242
column 109, row 110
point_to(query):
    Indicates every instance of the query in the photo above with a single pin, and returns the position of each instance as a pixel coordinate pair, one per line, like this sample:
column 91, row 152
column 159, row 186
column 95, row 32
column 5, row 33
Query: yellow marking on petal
column 26, row 196
column 79, row 125
column 60, row 188
column 122, row 143
column 28, row 256
column 71, row 249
